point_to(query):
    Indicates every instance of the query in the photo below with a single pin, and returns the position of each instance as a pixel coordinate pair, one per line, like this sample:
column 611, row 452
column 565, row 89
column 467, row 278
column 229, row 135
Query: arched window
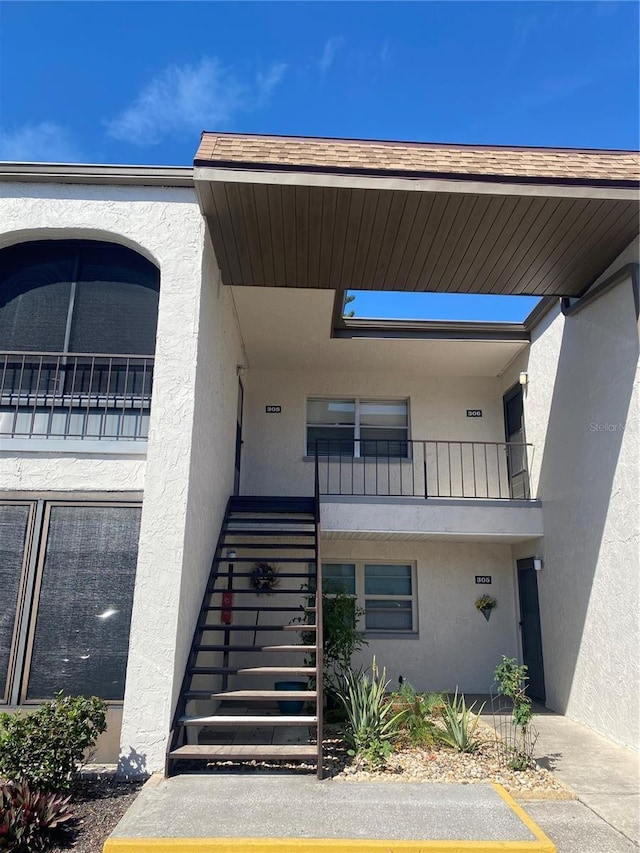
column 77, row 336
column 77, row 296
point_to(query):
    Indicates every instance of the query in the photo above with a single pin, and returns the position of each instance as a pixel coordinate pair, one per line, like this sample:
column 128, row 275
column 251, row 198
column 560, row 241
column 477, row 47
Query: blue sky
column 136, row 82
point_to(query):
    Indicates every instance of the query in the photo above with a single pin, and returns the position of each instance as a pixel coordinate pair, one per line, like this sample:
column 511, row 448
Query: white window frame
column 361, row 598
column 357, row 401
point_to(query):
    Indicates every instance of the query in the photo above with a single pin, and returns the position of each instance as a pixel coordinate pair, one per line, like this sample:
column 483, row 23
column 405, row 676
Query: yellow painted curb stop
column 542, row 843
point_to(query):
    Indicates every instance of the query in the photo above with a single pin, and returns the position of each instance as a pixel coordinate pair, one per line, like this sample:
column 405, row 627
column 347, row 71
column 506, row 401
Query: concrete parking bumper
column 298, row 814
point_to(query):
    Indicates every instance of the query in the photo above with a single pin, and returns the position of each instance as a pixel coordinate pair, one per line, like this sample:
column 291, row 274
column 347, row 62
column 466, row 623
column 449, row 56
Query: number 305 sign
column 483, row 578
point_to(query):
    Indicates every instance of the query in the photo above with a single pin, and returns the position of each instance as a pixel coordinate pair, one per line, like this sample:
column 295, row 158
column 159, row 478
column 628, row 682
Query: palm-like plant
column 371, row 721
column 460, row 725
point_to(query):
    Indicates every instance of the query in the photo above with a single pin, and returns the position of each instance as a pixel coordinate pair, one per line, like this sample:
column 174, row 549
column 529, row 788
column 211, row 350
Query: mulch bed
column 98, row 805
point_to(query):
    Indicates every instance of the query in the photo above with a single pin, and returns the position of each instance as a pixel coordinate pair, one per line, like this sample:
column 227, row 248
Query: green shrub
column 44, row 748
column 417, row 723
column 341, row 638
column 371, row 721
column 520, row 741
column 29, row 817
column 459, row 725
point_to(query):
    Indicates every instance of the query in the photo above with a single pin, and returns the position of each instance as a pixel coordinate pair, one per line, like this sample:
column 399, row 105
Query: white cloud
column 329, row 53
column 46, row 142
column 189, row 99
column 267, row 81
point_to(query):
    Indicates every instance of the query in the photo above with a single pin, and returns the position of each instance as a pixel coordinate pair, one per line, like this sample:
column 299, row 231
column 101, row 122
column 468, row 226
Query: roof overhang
column 348, row 229
column 81, row 173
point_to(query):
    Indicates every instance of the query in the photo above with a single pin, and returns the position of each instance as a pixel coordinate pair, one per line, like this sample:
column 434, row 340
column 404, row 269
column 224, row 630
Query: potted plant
column 485, row 605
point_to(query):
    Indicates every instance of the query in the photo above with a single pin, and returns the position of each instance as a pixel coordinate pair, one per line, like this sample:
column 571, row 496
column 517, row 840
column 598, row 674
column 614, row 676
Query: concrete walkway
column 225, row 813
column 604, row 776
column 604, row 819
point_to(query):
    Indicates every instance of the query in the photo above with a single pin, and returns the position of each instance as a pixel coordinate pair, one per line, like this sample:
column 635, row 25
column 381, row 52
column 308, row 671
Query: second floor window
column 357, row 427
column 77, row 337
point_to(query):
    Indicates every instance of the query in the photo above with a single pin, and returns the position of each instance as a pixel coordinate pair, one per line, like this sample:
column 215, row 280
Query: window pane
column 116, row 302
column 82, row 629
column 387, row 580
column 383, row 414
column 13, row 534
column 388, row 615
column 35, row 286
column 336, row 412
column 339, row 577
column 383, row 442
column 332, row 441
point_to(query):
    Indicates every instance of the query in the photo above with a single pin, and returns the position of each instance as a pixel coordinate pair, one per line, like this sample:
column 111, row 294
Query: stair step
column 259, row 695
column 277, row 503
column 241, row 720
column 276, row 591
column 251, row 670
column 235, row 574
column 297, row 627
column 263, row 609
column 258, row 752
column 275, row 546
column 197, row 694
column 256, row 531
column 228, row 648
column 264, row 518
column 254, row 559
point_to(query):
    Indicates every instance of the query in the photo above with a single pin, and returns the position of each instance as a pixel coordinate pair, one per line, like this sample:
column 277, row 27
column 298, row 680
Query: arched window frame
column 81, row 392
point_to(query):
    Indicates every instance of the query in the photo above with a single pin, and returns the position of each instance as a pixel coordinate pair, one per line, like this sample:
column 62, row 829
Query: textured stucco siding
column 68, row 472
column 275, row 444
column 581, row 411
column 455, row 645
column 165, row 225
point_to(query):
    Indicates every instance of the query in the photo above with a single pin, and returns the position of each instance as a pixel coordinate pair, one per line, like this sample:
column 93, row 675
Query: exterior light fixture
column 523, row 379
column 537, row 564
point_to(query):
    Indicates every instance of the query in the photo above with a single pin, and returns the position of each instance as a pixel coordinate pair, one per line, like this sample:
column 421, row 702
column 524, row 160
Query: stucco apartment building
column 179, row 389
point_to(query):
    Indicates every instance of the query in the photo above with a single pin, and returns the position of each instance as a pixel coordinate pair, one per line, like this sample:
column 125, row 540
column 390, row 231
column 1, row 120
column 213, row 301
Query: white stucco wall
column 582, row 413
column 455, row 645
column 70, row 472
column 456, row 519
column 275, row 444
column 165, row 225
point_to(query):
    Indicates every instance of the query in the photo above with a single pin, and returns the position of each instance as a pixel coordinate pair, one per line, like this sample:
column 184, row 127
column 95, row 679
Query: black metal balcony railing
column 75, row 396
column 424, row 469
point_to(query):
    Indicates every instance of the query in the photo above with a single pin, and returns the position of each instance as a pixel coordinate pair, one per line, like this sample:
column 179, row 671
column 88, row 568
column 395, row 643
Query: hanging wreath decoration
column 264, row 578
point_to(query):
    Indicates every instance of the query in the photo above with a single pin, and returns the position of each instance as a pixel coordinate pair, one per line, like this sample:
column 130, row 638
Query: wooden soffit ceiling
column 278, row 227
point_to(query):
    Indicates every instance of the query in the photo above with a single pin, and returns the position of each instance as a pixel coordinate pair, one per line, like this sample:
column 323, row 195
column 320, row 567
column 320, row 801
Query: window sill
column 75, row 447
column 360, row 459
column 392, row 635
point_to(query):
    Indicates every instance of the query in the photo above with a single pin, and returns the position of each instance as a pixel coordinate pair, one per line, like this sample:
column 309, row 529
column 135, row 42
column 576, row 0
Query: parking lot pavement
column 576, row 829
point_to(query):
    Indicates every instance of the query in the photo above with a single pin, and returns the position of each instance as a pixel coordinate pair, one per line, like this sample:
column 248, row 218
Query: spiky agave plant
column 460, row 725
column 371, row 721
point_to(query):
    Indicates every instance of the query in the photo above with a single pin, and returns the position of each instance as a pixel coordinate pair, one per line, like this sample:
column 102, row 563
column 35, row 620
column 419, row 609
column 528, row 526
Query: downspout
column 573, row 306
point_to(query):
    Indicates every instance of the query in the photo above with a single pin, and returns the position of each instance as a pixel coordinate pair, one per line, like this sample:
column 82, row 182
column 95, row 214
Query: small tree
column 511, row 679
column 341, row 639
column 347, row 301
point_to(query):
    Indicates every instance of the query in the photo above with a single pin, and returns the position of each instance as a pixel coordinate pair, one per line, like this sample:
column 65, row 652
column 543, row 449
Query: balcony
column 77, row 396
column 414, row 489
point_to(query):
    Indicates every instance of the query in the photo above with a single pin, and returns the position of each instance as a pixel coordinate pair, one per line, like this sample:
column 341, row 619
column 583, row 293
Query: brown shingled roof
column 340, row 155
